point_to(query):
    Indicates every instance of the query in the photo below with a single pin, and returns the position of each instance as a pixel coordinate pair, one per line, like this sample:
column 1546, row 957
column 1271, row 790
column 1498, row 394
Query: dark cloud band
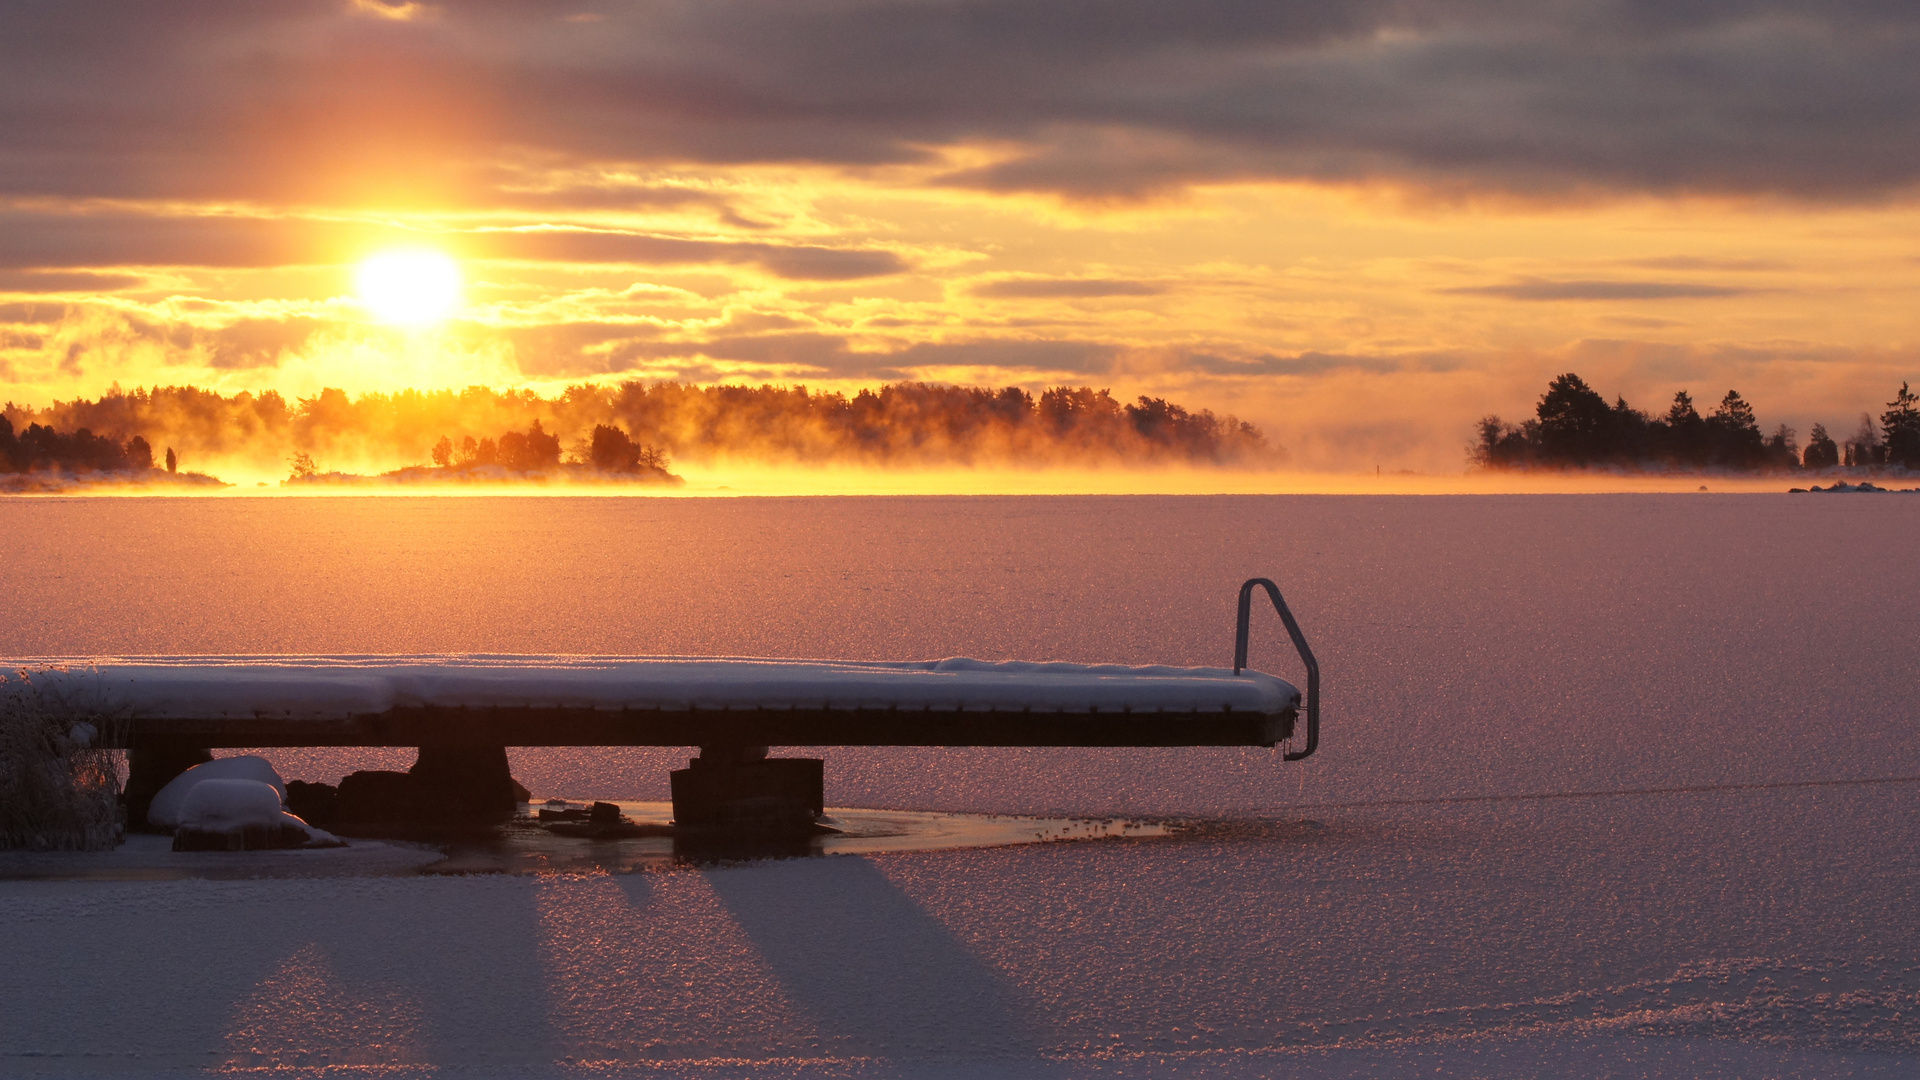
column 317, row 98
column 1540, row 289
column 39, row 241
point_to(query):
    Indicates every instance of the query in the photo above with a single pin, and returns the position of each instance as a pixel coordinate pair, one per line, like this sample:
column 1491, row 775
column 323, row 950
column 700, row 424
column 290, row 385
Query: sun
column 409, row 287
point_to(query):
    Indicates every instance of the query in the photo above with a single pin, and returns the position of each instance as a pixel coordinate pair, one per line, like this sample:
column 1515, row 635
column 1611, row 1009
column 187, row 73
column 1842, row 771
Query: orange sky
column 1361, row 232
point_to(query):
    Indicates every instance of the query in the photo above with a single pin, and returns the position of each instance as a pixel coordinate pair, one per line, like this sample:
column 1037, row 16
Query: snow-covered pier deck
column 499, row 700
column 464, row 711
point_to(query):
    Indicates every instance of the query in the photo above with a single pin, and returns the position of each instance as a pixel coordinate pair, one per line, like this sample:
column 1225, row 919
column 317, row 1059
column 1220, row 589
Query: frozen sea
column 1611, row 785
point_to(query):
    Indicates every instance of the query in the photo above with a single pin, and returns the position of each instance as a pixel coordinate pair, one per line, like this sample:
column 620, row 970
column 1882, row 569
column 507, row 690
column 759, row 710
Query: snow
column 339, row 687
column 227, row 795
column 1714, row 695
column 226, row 805
column 150, row 857
column 168, row 809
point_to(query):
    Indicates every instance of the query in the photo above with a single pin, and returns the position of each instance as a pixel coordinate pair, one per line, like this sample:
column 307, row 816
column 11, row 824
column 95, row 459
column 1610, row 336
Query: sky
column 1360, row 225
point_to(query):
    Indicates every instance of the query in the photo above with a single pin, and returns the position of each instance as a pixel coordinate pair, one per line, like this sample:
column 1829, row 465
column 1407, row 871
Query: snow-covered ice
column 1610, row 786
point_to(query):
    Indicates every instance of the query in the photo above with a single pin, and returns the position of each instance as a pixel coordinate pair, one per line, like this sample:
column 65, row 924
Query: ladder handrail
column 1299, row 644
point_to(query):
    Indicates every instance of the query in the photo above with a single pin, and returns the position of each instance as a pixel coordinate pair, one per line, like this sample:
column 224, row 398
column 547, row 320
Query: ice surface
column 168, row 808
column 1733, row 675
column 340, row 687
column 150, row 857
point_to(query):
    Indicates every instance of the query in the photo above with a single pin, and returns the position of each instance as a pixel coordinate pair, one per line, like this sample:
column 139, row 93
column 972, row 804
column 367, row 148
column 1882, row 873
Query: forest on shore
column 1575, row 428
column 609, row 454
column 636, row 427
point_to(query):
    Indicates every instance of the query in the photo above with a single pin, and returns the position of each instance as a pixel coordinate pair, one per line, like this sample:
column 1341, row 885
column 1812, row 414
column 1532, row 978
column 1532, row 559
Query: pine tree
column 1822, row 451
column 1574, row 422
column 1686, row 432
column 1736, row 433
column 1900, row 426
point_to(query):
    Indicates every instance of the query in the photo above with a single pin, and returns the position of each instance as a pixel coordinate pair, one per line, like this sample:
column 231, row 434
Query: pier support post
column 739, row 787
column 150, row 768
column 464, row 780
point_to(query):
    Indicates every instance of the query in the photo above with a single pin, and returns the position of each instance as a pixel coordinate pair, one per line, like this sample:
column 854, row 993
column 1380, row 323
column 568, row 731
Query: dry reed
column 59, row 790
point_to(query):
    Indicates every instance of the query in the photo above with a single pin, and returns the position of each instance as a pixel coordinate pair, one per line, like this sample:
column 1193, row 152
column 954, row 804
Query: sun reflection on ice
column 304, row 1016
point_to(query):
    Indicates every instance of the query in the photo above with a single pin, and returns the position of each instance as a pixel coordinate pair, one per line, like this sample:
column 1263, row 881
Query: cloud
column 1641, row 322
column 1693, row 360
column 32, row 314
column 1701, row 262
column 254, row 343
column 385, row 9
column 588, row 348
column 1543, row 289
column 307, row 99
column 1312, row 363
column 41, row 281
column 833, row 356
column 798, row 262
column 35, row 240
column 512, row 193
column 1063, row 288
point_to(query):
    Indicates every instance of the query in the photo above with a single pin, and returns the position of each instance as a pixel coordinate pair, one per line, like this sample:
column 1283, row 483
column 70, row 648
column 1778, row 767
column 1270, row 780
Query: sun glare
column 414, row 287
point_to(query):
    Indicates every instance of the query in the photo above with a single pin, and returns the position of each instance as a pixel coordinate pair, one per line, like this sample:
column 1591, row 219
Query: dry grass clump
column 59, row 791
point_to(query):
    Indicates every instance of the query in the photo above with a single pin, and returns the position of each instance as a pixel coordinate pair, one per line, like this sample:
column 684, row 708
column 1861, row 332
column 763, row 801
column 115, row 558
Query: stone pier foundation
column 742, row 788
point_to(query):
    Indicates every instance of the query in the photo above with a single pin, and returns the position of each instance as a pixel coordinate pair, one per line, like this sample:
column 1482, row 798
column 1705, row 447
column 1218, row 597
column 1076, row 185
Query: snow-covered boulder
column 169, row 802
column 241, row 815
column 230, row 804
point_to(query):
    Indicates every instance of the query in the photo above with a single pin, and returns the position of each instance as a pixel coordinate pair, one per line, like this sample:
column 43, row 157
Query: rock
column 377, row 796
column 314, row 803
column 609, row 830
column 150, row 768
column 247, row 838
column 602, row 822
column 170, row 802
column 462, row 784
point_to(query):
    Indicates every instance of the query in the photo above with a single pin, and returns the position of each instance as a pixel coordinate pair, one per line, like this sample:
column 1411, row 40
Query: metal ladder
column 1299, row 644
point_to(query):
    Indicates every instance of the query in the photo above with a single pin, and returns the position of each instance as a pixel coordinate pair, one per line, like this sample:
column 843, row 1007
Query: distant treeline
column 42, row 448
column 609, row 453
column 899, row 423
column 1574, row 427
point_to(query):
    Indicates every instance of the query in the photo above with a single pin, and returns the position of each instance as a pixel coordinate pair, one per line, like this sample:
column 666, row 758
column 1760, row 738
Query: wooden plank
column 422, row 726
